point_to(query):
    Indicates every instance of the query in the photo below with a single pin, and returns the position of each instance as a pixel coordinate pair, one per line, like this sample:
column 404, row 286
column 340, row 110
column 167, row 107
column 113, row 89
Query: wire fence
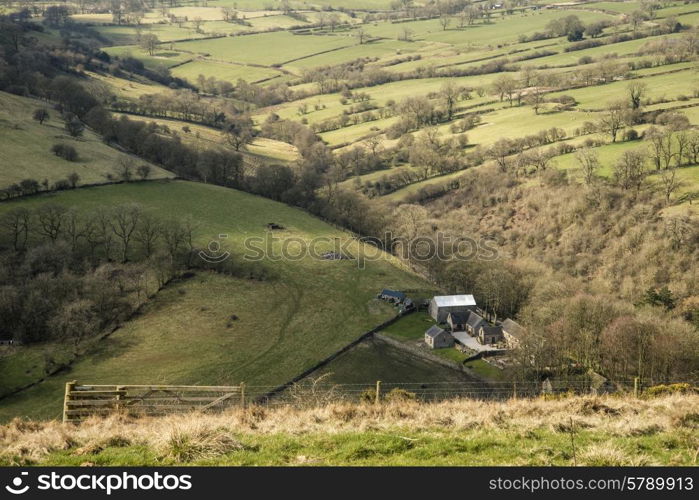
column 312, row 392
column 83, row 400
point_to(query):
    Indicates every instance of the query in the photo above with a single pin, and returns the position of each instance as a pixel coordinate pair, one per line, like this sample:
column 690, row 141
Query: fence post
column 69, row 388
column 514, row 390
column 119, row 388
column 242, row 395
column 377, row 399
column 635, row 387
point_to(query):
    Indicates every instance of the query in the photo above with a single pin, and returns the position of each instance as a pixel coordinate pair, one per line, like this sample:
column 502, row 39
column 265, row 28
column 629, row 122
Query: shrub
column 65, row 151
column 662, row 389
column 397, row 395
column 631, row 135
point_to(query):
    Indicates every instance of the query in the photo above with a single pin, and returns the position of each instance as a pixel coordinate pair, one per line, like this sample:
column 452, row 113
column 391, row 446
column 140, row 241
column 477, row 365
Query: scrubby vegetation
column 596, row 431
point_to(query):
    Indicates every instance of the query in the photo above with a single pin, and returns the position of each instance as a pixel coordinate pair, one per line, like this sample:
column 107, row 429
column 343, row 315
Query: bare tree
column 123, row 222
column 149, row 42
column 147, row 233
column 636, row 92
column 444, row 21
column 17, row 222
column 589, row 164
column 450, row 93
column 630, row 170
column 361, row 35
column 51, row 218
column 669, row 183
column 614, row 119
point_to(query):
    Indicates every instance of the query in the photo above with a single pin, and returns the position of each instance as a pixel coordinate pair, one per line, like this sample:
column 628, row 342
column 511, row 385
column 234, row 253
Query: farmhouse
column 474, row 322
column 457, row 321
column 437, row 338
column 442, row 305
column 512, row 332
column 488, row 334
column 392, row 296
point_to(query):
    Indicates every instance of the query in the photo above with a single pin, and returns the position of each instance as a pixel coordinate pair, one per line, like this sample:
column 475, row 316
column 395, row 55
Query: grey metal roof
column 454, row 300
column 434, row 331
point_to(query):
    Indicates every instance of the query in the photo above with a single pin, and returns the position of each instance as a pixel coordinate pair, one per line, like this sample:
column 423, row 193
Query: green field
column 309, row 308
column 223, row 71
column 25, row 147
column 392, row 366
column 267, row 48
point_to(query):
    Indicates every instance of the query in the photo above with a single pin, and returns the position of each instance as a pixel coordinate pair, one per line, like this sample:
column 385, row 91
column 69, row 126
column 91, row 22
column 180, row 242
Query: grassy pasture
column 222, row 71
column 126, row 89
column 286, row 324
column 25, row 147
column 390, row 365
column 127, row 35
column 668, row 86
column 163, row 57
column 498, row 31
column 208, row 137
column 379, row 48
column 265, row 48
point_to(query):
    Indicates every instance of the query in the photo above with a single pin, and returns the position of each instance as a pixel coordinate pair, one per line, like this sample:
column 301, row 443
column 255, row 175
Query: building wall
column 439, row 314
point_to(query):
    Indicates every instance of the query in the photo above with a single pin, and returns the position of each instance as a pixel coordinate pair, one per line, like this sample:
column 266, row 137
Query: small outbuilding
column 512, row 332
column 392, row 296
column 442, row 305
column 438, row 338
column 488, row 334
column 474, row 323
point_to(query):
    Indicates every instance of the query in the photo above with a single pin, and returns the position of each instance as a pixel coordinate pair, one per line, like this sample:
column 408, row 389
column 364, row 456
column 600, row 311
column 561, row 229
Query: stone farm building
column 488, row 334
column 442, row 305
column 437, row 338
column 457, row 321
column 512, row 332
column 474, row 323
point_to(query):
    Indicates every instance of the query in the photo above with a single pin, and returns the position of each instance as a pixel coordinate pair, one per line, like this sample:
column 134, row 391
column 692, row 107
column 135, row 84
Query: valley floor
column 588, row 430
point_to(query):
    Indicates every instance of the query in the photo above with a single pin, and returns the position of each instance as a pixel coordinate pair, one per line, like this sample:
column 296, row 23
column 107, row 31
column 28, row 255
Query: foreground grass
column 610, row 431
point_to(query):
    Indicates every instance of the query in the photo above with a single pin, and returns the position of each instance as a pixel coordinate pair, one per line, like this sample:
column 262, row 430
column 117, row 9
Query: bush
column 631, row 135
column 398, row 395
column 65, row 151
column 662, row 390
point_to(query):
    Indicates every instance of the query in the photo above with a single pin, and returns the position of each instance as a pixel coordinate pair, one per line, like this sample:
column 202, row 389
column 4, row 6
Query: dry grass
column 196, row 437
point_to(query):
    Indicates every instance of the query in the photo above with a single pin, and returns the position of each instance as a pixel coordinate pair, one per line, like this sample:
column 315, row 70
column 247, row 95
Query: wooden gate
column 82, row 401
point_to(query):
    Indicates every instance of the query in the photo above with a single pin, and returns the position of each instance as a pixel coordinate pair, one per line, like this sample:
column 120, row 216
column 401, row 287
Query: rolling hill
column 25, row 147
column 308, row 307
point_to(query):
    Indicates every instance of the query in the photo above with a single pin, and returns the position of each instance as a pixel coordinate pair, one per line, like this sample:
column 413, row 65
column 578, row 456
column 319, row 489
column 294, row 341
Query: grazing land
column 305, row 311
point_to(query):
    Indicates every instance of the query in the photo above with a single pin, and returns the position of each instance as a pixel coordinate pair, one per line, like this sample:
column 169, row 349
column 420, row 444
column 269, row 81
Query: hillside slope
column 25, row 147
column 305, row 310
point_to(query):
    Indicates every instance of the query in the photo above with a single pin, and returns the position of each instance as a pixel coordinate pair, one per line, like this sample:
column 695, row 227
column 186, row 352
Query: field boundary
column 328, row 359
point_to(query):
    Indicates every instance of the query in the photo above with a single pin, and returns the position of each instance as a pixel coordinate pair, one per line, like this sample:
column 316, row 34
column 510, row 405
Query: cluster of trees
column 65, row 275
column 583, row 296
column 182, row 104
